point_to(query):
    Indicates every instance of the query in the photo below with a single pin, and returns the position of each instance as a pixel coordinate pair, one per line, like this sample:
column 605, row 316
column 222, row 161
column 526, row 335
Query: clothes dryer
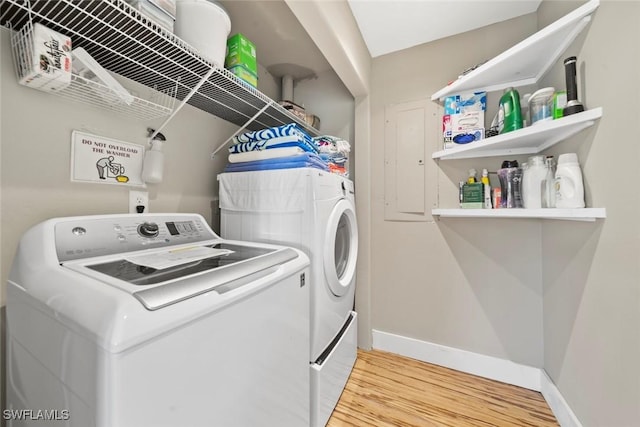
column 313, row 211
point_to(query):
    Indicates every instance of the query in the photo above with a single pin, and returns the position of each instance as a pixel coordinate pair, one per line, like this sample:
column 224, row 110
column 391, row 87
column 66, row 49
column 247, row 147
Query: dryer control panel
column 86, row 237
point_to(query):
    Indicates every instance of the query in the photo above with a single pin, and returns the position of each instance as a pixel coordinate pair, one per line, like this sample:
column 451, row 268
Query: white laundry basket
column 205, row 25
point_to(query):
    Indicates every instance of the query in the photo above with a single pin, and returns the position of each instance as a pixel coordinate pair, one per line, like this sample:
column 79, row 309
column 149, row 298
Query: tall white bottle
column 569, row 186
column 534, row 174
column 548, row 185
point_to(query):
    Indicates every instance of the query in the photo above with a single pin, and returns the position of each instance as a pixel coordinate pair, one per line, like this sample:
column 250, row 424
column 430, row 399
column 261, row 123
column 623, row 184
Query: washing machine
column 154, row 320
column 313, row 211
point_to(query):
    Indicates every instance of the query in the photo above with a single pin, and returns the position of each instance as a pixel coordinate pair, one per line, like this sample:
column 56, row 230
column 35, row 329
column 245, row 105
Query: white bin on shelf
column 205, row 25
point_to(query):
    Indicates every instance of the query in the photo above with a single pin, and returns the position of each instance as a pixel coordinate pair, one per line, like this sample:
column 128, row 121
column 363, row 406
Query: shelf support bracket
column 183, row 102
column 241, row 128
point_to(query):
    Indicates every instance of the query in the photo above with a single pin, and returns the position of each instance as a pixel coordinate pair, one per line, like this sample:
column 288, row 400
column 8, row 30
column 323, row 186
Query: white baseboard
column 484, row 366
column 559, row 406
column 460, row 360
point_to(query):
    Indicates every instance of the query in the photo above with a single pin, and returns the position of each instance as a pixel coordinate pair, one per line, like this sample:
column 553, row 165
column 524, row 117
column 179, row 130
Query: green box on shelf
column 244, row 74
column 472, row 193
column 241, row 51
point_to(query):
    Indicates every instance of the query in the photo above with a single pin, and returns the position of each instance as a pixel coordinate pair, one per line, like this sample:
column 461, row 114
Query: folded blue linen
column 298, row 161
column 291, row 129
column 276, row 142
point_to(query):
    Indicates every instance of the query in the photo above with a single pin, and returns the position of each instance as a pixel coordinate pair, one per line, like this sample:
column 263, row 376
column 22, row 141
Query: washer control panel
column 148, row 229
column 86, row 237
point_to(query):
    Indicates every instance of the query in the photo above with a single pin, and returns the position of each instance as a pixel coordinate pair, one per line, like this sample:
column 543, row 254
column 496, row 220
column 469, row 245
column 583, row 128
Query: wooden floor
column 390, row 390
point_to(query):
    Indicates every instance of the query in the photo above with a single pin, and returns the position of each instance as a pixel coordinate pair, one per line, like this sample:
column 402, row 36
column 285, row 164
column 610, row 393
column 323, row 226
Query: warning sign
column 103, row 160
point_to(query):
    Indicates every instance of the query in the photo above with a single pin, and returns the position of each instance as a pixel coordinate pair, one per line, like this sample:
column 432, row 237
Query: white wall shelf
column 586, row 214
column 528, row 61
column 529, row 140
column 524, row 64
column 128, row 43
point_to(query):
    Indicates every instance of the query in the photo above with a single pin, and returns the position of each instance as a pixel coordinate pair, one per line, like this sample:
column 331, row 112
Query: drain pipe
column 287, row 88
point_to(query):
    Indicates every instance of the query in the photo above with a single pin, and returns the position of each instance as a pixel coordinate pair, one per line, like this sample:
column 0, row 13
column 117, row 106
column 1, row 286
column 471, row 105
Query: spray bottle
column 153, row 163
column 486, row 188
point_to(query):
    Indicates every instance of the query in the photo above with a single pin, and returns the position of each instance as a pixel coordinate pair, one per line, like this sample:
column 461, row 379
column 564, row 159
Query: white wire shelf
column 92, row 93
column 89, row 92
column 126, row 42
column 585, row 214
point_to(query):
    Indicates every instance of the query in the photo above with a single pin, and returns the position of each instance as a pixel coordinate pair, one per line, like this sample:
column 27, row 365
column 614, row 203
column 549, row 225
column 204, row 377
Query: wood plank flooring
column 390, row 390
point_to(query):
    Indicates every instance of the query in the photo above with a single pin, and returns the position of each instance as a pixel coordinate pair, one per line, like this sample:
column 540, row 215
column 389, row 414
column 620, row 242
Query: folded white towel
column 271, row 153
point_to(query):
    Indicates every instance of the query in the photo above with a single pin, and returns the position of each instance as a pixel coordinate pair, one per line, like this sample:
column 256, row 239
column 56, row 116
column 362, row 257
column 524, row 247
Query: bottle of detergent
column 568, row 183
column 509, row 112
column 532, row 180
column 510, row 175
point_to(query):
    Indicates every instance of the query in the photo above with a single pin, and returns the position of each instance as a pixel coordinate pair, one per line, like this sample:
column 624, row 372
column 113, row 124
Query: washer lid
column 159, row 287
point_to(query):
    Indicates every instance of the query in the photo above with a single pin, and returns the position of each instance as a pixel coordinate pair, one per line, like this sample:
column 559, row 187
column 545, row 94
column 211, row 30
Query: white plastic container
column 569, row 186
column 532, row 179
column 548, row 185
column 204, row 25
column 541, row 105
column 153, row 164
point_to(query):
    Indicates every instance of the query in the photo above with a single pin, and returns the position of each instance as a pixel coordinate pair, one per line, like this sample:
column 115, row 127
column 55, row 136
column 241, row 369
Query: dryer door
column 341, row 248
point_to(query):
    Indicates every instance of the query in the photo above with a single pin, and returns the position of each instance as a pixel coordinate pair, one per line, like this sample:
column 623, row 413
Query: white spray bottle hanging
column 153, row 165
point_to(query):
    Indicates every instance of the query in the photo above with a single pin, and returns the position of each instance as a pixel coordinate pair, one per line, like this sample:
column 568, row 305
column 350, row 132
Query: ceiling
column 388, row 26
column 284, row 47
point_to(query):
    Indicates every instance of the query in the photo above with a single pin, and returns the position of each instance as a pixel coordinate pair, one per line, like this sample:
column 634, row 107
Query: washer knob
column 148, row 229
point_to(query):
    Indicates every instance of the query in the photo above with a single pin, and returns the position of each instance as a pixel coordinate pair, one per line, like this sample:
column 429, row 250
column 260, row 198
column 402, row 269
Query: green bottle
column 509, row 114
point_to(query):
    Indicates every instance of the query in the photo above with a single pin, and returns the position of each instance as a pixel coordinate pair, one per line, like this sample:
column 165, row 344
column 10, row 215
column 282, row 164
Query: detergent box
column 462, row 128
column 463, row 118
column 245, row 74
column 46, row 61
column 241, row 51
column 473, row 101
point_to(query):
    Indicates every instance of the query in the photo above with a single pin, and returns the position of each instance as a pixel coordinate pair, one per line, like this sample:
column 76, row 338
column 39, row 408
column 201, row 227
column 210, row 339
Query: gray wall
column 591, row 271
column 36, row 142
column 469, row 284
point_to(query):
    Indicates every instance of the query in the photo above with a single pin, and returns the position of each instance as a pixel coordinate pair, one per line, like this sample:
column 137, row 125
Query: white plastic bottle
column 486, row 187
column 548, row 185
column 532, row 179
column 153, row 163
column 568, row 182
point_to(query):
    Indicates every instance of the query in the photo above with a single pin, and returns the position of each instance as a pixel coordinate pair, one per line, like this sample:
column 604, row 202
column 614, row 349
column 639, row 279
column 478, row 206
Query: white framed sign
column 101, row 160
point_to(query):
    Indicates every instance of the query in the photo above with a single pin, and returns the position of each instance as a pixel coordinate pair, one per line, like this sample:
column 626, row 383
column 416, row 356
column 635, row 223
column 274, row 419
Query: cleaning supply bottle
column 548, row 185
column 486, row 187
column 472, row 176
column 534, row 174
column 153, row 163
column 517, row 188
column 510, row 175
column 524, row 110
column 509, row 113
column 568, row 183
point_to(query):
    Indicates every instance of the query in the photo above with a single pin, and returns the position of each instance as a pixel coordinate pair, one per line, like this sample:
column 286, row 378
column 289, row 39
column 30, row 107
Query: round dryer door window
column 341, row 248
